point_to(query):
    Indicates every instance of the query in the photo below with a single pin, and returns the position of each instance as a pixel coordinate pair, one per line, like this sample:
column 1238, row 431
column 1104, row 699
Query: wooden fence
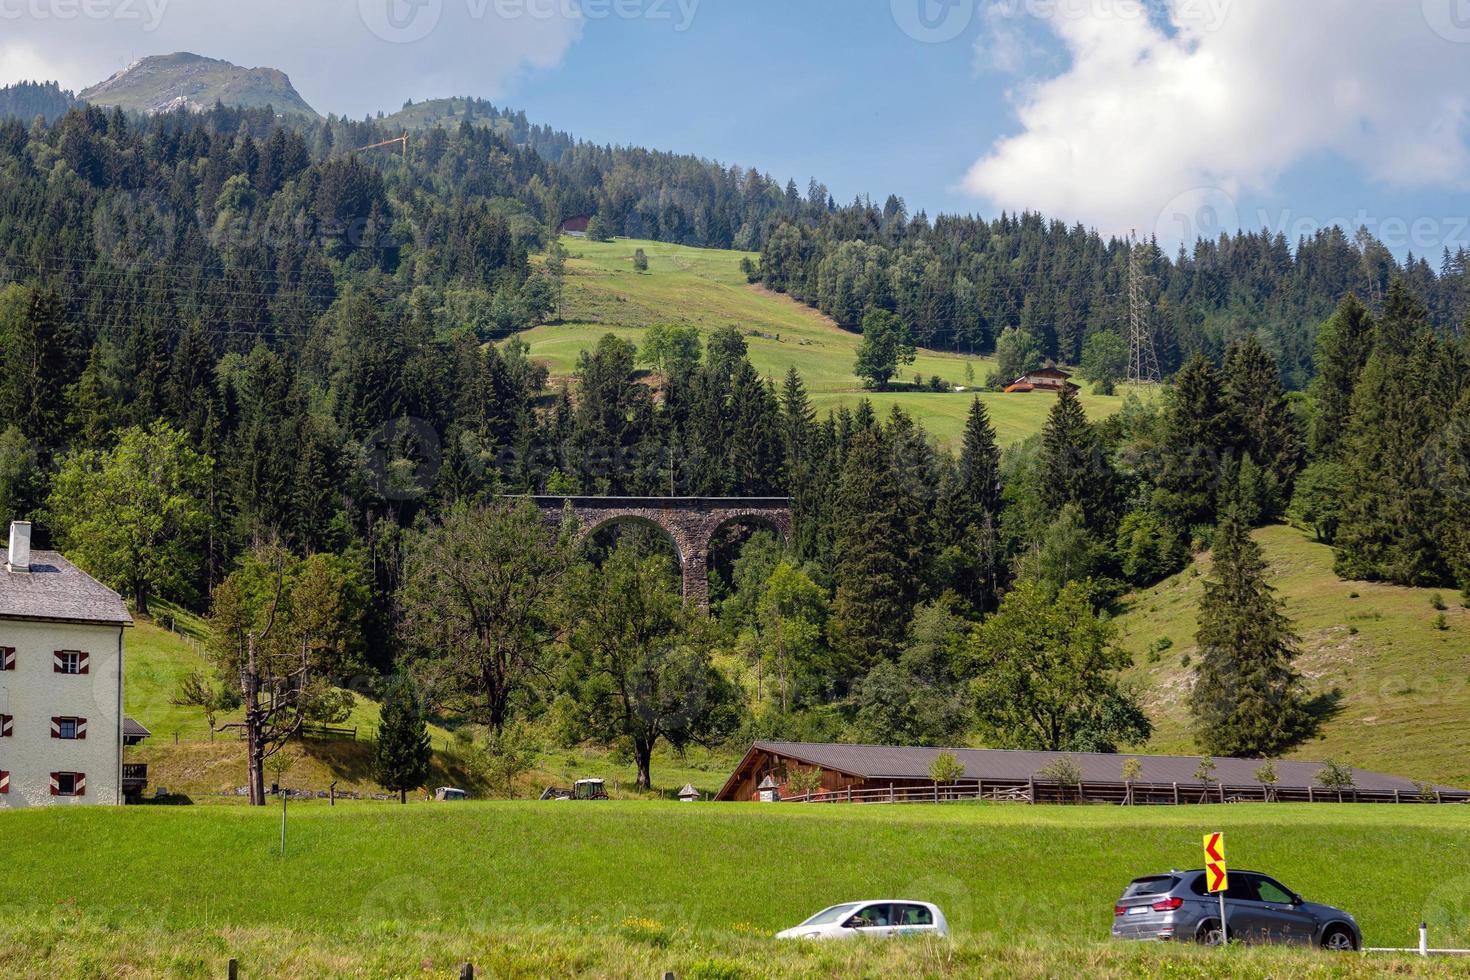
column 1136, row 794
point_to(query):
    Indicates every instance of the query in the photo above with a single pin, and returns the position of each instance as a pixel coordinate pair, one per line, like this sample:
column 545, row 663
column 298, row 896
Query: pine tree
column 1343, row 347
column 1248, row 699
column 1072, row 467
column 403, row 750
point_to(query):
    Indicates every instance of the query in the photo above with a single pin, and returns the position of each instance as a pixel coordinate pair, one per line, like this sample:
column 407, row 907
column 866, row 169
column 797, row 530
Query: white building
column 61, row 682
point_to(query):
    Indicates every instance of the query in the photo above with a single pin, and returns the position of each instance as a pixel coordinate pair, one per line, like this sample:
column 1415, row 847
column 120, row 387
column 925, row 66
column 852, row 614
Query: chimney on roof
column 20, row 547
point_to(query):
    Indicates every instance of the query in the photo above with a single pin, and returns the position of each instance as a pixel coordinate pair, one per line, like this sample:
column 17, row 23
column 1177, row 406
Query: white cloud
column 1153, row 119
column 346, row 56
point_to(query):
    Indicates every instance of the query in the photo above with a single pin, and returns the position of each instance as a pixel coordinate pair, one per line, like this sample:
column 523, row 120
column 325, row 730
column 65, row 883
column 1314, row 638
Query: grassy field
column 633, row 889
column 1404, row 682
column 184, row 759
column 705, row 288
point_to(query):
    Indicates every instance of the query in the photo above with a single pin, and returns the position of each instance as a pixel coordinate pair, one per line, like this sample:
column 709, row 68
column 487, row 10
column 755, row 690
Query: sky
column 1168, row 118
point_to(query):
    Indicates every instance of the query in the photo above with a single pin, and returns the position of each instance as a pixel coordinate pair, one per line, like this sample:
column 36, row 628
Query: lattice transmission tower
column 1143, row 359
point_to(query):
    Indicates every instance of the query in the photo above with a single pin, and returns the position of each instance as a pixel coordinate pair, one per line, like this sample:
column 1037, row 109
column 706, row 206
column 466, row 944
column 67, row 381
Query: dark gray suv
column 1259, row 909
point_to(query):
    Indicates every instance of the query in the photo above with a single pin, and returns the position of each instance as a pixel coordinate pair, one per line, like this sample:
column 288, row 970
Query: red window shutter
column 84, row 663
column 79, row 784
column 55, row 727
column 56, row 784
column 7, row 726
column 81, row 728
column 7, row 658
column 4, row 782
column 58, row 663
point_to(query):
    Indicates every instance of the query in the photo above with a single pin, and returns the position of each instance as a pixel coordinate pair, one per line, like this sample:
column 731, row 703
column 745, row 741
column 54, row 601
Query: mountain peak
column 162, row 83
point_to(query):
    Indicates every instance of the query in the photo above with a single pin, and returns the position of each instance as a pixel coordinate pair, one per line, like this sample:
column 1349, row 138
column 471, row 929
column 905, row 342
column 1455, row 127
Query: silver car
column 1258, row 909
column 880, row 919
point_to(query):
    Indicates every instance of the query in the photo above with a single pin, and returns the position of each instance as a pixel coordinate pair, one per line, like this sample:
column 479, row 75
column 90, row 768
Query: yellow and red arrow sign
column 1217, row 876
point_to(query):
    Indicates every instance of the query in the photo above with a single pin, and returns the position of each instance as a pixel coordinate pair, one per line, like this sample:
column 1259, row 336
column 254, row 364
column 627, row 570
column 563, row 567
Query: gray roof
column 55, row 589
column 134, row 729
column 889, row 762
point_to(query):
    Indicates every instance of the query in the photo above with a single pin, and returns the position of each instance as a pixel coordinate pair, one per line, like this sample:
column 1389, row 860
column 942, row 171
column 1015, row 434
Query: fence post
column 1424, row 939
column 1176, row 794
column 233, row 970
column 467, row 972
column 1031, row 790
column 1311, row 797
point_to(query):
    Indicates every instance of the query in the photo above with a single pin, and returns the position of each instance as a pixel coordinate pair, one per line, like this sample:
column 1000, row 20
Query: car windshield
column 835, row 914
column 1157, row 885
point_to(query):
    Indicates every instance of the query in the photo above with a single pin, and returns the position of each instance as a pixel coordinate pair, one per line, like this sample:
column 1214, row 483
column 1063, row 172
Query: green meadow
column 705, row 288
column 1402, row 681
column 636, row 889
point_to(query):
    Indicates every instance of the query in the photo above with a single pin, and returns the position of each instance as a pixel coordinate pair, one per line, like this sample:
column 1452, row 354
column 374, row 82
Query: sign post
column 1217, row 878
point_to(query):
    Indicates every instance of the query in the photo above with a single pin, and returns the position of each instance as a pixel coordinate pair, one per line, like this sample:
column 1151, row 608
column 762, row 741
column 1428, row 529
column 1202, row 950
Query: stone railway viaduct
column 691, row 522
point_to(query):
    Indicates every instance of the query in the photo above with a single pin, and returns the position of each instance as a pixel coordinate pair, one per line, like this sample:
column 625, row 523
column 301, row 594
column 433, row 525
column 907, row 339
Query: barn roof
column 55, row 589
column 894, row 762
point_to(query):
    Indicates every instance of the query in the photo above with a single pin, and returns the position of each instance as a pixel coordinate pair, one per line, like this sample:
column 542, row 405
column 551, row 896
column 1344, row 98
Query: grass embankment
column 184, row 759
column 1404, row 682
column 706, row 289
column 632, row 889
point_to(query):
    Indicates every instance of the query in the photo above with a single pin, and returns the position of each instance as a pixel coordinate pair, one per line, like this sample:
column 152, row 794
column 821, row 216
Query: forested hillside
column 961, row 282
column 243, row 365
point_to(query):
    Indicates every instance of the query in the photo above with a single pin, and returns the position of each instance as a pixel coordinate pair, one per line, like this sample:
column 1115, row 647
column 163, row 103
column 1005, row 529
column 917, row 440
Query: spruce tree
column 872, row 569
column 1402, row 320
column 402, row 753
column 1263, row 424
column 1072, row 467
column 1248, row 699
column 1195, row 446
column 1343, row 347
column 755, row 447
column 1394, row 525
column 979, row 464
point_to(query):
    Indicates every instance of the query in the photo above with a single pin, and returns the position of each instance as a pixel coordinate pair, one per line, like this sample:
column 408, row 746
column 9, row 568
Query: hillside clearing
column 1404, row 683
column 705, row 288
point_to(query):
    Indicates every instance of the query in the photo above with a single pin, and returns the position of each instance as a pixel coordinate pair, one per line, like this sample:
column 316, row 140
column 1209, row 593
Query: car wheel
column 1339, row 940
column 1210, row 934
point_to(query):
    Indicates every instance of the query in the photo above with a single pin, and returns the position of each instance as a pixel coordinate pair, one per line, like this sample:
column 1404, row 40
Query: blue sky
column 827, row 89
column 1168, row 117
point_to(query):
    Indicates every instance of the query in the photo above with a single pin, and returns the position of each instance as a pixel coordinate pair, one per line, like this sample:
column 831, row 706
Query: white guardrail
column 1423, row 948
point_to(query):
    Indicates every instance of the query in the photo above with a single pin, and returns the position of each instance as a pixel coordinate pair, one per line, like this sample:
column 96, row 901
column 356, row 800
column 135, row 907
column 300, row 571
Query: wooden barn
column 1047, row 379
column 887, row 774
column 577, row 225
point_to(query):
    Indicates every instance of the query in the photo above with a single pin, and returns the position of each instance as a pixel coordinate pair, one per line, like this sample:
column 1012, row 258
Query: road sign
column 1216, row 874
column 1217, row 878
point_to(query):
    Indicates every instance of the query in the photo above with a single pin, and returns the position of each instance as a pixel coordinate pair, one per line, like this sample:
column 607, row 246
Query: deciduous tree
column 1045, row 672
column 479, row 597
column 134, row 516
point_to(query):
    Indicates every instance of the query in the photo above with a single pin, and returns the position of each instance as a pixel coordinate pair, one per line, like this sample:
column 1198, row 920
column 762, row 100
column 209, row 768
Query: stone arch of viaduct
column 691, row 522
